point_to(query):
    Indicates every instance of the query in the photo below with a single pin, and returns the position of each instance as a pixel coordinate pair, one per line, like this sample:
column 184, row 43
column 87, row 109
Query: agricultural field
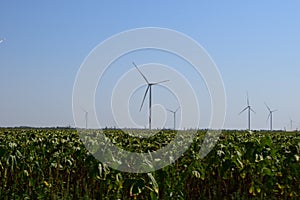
column 54, row 164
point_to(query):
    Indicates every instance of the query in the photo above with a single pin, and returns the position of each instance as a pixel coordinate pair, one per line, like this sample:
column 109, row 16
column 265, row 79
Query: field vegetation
column 54, row 164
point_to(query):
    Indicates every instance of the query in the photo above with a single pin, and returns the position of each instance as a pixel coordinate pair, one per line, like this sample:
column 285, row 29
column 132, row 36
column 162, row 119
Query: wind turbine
column 291, row 123
column 150, row 92
column 1, row 40
column 270, row 116
column 174, row 116
column 248, row 107
column 86, row 117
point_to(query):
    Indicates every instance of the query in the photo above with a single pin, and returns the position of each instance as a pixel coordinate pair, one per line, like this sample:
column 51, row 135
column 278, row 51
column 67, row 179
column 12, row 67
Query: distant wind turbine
column 1, row 40
column 150, row 92
column 270, row 116
column 86, row 117
column 291, row 123
column 248, row 107
column 174, row 116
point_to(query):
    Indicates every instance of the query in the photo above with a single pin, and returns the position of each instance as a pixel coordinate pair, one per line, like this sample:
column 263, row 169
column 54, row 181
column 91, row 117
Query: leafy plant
column 54, row 164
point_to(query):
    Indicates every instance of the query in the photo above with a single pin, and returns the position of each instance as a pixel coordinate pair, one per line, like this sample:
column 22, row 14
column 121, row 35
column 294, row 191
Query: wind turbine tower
column 249, row 108
column 174, row 116
column 149, row 88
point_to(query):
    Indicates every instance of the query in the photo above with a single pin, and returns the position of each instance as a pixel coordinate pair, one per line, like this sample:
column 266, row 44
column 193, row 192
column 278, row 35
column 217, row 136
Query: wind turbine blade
column 268, row 107
column 144, row 97
column 169, row 110
column 83, row 109
column 140, row 72
column 160, row 82
column 252, row 110
column 269, row 116
column 177, row 109
column 248, row 99
column 243, row 110
column 274, row 110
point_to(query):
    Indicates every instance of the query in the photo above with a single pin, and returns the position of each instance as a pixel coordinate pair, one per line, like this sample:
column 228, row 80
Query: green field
column 54, row 164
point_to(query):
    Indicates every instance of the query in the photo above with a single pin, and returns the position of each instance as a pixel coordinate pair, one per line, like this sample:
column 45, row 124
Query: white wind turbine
column 291, row 123
column 150, row 92
column 249, row 108
column 270, row 116
column 86, row 117
column 174, row 116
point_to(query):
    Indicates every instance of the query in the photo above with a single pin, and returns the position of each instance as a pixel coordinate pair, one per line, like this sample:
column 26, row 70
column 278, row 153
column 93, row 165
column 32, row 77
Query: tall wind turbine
column 174, row 116
column 86, row 117
column 291, row 123
column 249, row 108
column 270, row 116
column 150, row 92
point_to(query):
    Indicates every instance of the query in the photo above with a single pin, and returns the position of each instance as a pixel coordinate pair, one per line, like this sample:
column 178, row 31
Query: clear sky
column 256, row 46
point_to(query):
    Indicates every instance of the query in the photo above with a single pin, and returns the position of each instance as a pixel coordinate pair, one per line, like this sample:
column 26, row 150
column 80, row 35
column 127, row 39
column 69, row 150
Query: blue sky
column 256, row 46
